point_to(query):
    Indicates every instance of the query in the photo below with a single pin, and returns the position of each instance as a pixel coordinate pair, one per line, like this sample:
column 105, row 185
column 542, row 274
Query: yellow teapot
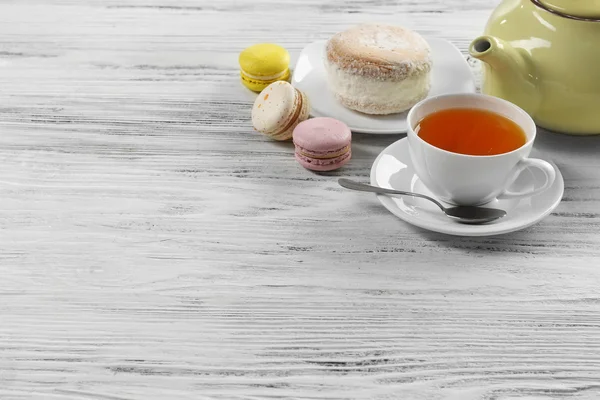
column 544, row 56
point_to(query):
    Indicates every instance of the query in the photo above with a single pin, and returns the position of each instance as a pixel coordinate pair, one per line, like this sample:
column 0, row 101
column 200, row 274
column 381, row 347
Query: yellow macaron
column 263, row 64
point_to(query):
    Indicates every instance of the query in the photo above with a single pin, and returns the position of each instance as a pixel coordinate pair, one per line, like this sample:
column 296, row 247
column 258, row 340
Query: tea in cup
column 469, row 148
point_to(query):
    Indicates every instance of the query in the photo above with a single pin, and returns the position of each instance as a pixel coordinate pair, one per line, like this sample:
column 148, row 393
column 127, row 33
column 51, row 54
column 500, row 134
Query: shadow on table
column 558, row 143
column 367, row 147
column 477, row 244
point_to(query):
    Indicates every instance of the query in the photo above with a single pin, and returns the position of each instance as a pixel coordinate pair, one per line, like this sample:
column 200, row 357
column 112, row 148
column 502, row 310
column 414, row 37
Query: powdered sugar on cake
column 393, row 41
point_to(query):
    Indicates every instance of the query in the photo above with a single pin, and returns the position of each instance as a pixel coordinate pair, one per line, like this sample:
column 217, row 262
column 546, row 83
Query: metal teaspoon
column 464, row 214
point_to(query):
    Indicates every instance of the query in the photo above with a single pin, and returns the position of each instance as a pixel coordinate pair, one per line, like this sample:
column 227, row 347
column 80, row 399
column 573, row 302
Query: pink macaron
column 322, row 144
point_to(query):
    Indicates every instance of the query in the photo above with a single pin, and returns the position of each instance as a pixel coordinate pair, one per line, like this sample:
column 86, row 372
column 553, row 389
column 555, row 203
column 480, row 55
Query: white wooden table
column 153, row 246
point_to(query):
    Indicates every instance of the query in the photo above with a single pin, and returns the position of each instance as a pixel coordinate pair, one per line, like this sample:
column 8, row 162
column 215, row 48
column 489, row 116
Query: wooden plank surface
column 152, row 246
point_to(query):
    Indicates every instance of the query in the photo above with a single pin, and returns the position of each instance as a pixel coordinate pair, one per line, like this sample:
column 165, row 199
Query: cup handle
column 542, row 165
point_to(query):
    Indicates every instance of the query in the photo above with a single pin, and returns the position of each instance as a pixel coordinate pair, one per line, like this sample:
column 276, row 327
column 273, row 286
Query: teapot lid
column 579, row 9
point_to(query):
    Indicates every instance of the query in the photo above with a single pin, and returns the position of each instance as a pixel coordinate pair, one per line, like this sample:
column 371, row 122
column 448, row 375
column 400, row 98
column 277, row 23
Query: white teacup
column 473, row 180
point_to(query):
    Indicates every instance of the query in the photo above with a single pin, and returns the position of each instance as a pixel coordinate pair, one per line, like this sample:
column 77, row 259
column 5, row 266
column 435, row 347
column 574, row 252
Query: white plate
column 392, row 169
column 451, row 74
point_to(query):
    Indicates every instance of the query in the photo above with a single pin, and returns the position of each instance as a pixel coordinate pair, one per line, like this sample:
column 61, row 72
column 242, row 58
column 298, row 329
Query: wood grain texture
column 152, row 246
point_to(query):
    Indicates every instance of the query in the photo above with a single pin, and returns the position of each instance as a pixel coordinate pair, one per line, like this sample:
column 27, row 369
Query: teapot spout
column 499, row 54
column 508, row 73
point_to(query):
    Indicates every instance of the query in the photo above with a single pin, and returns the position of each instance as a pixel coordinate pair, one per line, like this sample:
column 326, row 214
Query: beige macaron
column 278, row 109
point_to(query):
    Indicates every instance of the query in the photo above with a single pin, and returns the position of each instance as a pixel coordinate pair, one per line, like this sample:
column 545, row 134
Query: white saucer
column 392, row 169
column 451, row 74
